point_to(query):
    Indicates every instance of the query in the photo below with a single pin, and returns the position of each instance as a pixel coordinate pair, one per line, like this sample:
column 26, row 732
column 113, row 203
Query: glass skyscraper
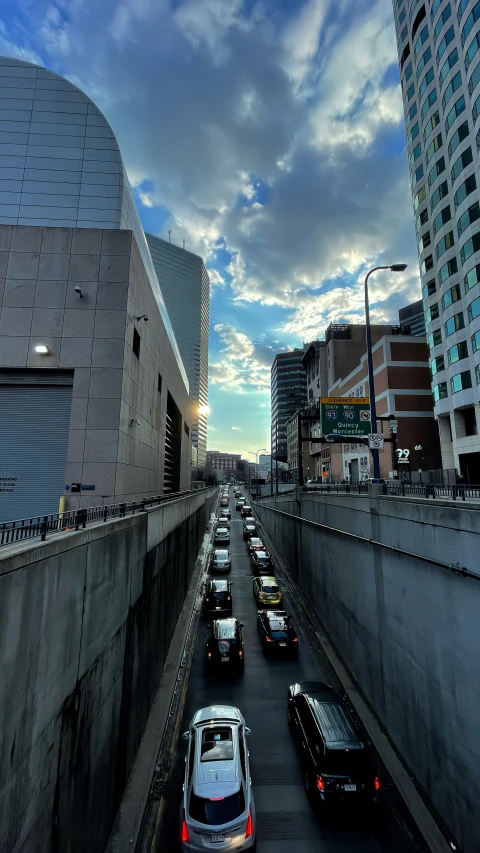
column 289, row 393
column 439, row 55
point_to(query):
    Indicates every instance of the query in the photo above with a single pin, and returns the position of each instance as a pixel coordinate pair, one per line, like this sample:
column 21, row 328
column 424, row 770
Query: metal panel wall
column 34, row 428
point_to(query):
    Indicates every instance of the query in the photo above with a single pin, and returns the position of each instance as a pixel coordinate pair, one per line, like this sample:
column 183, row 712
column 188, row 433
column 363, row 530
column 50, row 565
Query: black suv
column 225, row 645
column 276, row 633
column 262, row 563
column 337, row 768
column 245, row 510
column 218, row 597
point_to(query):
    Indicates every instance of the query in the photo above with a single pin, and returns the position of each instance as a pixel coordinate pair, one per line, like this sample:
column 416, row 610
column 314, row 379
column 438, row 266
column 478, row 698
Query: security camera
column 79, row 291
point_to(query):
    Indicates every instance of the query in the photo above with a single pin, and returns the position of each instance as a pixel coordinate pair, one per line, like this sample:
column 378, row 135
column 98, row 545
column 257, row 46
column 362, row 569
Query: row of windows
column 469, row 23
column 460, row 382
column 446, row 14
column 453, row 324
column 454, row 354
column 470, row 280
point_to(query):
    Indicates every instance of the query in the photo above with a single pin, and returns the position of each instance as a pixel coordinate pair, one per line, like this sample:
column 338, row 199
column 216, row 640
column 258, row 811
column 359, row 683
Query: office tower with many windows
column 439, row 54
column 289, row 393
column 185, row 287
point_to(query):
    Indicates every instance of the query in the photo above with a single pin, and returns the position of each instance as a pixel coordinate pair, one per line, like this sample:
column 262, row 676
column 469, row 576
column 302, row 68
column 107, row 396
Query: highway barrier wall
column 86, row 620
column 409, row 631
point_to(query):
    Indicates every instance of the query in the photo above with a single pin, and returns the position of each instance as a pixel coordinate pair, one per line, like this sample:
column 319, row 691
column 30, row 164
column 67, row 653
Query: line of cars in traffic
column 218, row 808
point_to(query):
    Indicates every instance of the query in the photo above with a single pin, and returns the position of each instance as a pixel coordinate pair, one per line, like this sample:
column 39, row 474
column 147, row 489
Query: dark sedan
column 221, row 560
column 337, row 768
column 262, row 563
column 218, row 597
column 245, row 511
column 276, row 633
column 249, row 530
column 255, row 544
column 225, row 645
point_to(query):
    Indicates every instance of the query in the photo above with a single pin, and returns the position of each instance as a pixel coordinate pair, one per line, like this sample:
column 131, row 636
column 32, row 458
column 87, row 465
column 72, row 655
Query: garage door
column 34, row 427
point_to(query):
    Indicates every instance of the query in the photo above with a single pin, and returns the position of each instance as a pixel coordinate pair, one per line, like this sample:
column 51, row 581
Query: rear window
column 217, row 812
column 221, row 555
column 278, row 629
column 269, row 588
column 342, row 762
column 217, row 744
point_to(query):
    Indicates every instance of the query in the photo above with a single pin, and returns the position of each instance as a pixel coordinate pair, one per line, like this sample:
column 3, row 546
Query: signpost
column 376, row 441
column 347, row 416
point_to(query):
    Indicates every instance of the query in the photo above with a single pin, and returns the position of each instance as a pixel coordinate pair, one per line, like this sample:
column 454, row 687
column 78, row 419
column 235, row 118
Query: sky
column 267, row 134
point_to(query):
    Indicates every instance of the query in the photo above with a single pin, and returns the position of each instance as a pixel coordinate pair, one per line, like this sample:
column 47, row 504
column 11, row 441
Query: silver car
column 218, row 810
column 222, row 534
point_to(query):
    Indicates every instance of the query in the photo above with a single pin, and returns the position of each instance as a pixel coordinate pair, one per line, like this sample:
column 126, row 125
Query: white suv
column 218, row 811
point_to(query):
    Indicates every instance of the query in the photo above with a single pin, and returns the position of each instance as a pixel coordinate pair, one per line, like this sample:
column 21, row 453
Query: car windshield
column 217, row 811
column 262, row 557
column 220, row 586
column 269, row 588
column 255, row 542
column 345, row 762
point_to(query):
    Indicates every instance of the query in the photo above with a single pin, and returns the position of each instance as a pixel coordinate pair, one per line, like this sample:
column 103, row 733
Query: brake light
column 229, row 597
column 185, row 836
column 240, row 654
column 209, row 654
column 207, row 599
column 249, row 829
column 216, row 799
column 268, row 639
column 377, row 783
column 320, row 783
column 295, row 639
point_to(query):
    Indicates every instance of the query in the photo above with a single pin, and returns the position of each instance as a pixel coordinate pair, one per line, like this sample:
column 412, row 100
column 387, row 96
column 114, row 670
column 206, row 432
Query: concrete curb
column 129, row 819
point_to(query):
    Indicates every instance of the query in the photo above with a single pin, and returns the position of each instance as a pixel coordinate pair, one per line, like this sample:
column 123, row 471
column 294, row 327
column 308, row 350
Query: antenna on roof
column 184, row 241
column 169, row 235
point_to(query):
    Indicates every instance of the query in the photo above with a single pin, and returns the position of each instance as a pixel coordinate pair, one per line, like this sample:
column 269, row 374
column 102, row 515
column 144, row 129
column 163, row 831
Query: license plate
column 349, row 787
column 217, row 838
column 218, row 608
column 225, row 657
column 282, row 644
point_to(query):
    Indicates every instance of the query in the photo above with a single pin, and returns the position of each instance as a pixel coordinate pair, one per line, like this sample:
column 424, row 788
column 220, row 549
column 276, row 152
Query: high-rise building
column 185, row 287
column 411, row 319
column 229, row 463
column 94, row 401
column 289, row 393
column 264, row 465
column 439, row 54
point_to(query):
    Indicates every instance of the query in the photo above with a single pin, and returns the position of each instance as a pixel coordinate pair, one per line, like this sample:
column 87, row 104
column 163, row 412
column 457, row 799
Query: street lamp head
column 398, row 267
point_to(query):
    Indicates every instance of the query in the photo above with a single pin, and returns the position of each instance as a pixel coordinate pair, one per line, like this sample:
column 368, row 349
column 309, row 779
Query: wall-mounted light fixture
column 78, row 290
column 42, row 349
column 134, row 422
column 142, row 317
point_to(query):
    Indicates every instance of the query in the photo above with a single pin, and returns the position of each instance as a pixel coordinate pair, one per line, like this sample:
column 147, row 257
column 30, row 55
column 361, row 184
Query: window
column 412, row 112
column 452, row 87
column 420, row 40
column 426, row 57
column 430, row 100
column 444, row 244
column 456, row 110
column 435, row 7
column 477, row 373
column 410, row 92
column 437, row 364
column 159, row 383
column 474, row 79
column 454, row 324
column 461, row 9
column 476, row 109
column 475, row 341
column 408, row 72
column 446, row 14
column 413, row 134
column 435, row 338
column 433, row 147
column 440, row 391
column 472, row 50
column 472, row 278
column 447, row 270
column 431, row 124
column 429, row 289
column 424, row 241
column 461, row 381
column 403, row 34
column 470, row 247
column 417, row 175
column 432, row 313
column 436, row 170
column 422, row 219
column 451, row 296
column 415, row 154
column 420, row 196
column 448, row 65
column 467, row 187
column 217, row 812
column 458, row 352
column 460, row 134
column 440, row 192
column 463, row 161
column 136, row 343
column 443, row 217
column 426, row 265
column 402, row 16
column 474, row 309
column 425, row 82
column 448, row 37
column 471, row 20
column 470, row 215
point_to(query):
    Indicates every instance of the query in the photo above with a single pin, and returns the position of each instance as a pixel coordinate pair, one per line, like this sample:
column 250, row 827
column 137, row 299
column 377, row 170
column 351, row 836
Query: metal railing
column 40, row 526
column 459, row 491
column 337, row 488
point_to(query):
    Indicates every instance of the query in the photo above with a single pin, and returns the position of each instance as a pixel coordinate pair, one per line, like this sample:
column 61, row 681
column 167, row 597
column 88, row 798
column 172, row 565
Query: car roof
column 274, row 614
column 221, row 777
column 255, row 539
column 220, row 585
column 222, row 529
column 224, row 629
column 266, row 580
column 335, row 723
column 262, row 555
column 220, row 552
column 215, row 713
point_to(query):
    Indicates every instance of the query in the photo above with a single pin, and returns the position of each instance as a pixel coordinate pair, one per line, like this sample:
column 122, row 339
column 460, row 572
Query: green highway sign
column 349, row 416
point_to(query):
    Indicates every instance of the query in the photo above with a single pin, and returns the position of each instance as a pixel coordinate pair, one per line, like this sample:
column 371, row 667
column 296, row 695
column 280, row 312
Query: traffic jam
column 272, row 754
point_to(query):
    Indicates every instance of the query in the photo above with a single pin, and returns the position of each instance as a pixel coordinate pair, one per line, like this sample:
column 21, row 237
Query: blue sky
column 269, row 135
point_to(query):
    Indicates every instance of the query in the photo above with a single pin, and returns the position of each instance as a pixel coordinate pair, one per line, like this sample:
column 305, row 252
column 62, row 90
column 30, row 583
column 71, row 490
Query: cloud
column 237, row 429
column 243, row 365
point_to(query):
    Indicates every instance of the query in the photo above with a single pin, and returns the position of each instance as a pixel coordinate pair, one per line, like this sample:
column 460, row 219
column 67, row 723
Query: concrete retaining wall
column 408, row 631
column 85, row 624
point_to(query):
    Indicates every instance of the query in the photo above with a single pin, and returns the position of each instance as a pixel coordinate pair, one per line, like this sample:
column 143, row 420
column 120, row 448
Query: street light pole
column 371, row 381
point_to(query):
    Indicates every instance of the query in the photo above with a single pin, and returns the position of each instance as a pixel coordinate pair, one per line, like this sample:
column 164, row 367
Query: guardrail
column 401, row 488
column 337, row 488
column 39, row 526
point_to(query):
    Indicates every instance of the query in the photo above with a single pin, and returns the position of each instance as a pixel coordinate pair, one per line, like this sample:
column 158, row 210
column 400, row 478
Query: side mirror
column 242, row 625
column 186, row 736
column 247, row 731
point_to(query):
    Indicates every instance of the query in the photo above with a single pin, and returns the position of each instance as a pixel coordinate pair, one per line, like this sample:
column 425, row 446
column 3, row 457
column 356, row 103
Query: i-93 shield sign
column 349, row 416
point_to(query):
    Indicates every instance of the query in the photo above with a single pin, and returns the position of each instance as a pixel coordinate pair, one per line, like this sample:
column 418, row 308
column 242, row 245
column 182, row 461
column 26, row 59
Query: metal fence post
column 43, row 528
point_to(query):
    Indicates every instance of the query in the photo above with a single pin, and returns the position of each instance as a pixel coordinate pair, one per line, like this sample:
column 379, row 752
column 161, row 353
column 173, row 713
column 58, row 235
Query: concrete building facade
column 101, row 412
column 229, row 463
column 289, row 393
column 439, row 55
column 185, row 288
